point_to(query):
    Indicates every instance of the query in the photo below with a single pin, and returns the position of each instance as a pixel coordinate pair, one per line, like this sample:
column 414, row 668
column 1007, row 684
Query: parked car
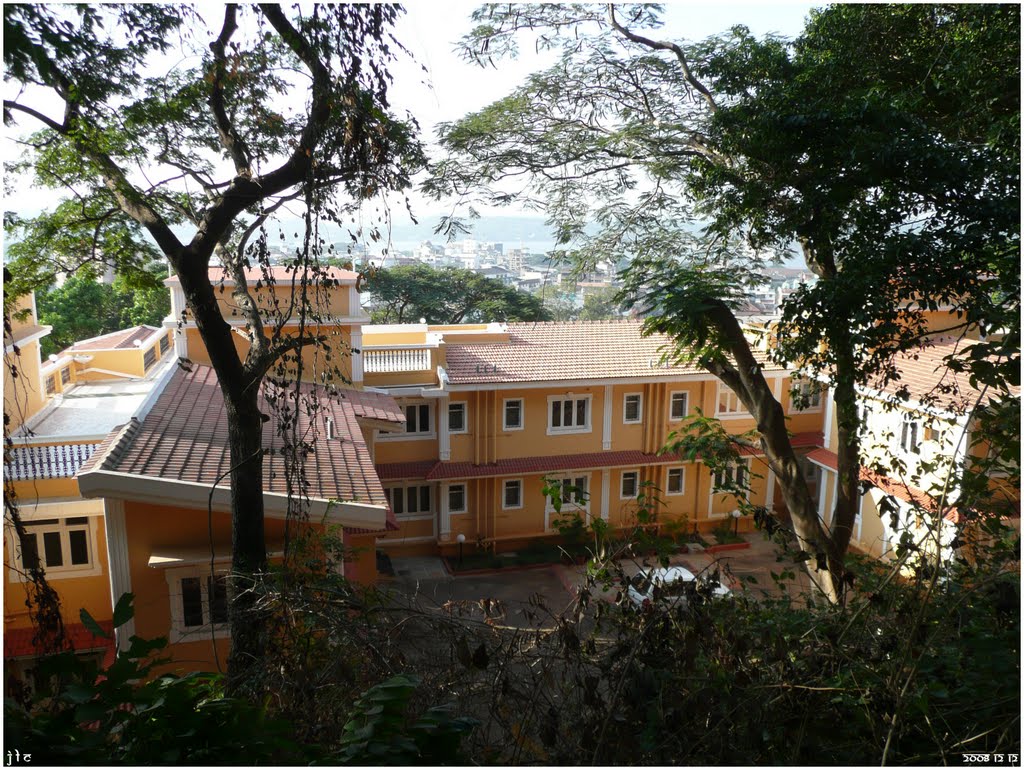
column 669, row 584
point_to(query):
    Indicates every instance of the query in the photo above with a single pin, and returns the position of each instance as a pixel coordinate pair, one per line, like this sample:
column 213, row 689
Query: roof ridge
column 110, row 450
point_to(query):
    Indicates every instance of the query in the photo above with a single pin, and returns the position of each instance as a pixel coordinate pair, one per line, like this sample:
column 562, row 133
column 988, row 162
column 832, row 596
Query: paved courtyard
column 531, row 597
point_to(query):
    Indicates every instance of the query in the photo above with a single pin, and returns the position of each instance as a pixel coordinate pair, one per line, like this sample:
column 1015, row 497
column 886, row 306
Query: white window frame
column 418, row 435
column 686, row 404
column 730, row 471
column 682, row 480
column 465, row 417
column 465, row 502
column 910, row 428
column 417, row 515
column 805, row 387
column 179, row 631
column 504, row 414
column 504, row 496
column 635, row 472
column 561, row 430
column 572, row 478
column 639, row 408
column 93, row 567
column 149, row 358
column 729, row 415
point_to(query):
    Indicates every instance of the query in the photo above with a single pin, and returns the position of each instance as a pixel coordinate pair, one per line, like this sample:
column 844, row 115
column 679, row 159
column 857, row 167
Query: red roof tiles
column 898, row 489
column 923, row 372
column 410, row 470
column 543, row 352
column 369, row 405
column 19, row 642
column 185, row 438
column 124, row 339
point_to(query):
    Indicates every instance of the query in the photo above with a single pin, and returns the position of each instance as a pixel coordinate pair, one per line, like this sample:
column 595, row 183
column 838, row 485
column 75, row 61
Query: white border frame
column 522, row 414
column 178, row 631
column 671, row 396
column 522, row 494
column 640, row 408
column 17, row 572
column 622, row 481
column 465, row 418
column 562, row 431
column 682, row 486
column 419, row 515
column 743, row 415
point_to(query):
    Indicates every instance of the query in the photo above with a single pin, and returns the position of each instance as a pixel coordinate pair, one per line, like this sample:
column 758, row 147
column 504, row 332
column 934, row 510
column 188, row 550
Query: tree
column 81, row 307
column 408, row 293
column 899, row 202
column 211, row 148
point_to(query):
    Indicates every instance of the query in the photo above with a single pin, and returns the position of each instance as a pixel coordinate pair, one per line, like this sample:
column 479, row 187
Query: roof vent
column 330, row 428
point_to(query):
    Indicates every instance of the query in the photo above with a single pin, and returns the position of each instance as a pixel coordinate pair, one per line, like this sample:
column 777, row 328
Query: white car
column 668, row 584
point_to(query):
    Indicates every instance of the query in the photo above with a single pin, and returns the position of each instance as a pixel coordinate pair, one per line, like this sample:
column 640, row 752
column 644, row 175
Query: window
column 678, row 406
column 676, row 481
column 809, row 394
column 417, row 419
column 65, row 375
column 632, row 408
column 457, row 498
column 457, row 417
column 513, row 497
column 733, row 474
column 630, row 485
column 729, row 402
column 410, row 500
column 513, row 414
column 60, row 546
column 574, row 491
column 909, row 437
column 149, row 358
column 165, row 343
column 199, row 602
column 51, row 385
column 569, row 415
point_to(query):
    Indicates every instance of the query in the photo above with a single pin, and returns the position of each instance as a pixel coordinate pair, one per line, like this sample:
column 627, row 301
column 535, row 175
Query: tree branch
column 229, row 136
column 661, row 46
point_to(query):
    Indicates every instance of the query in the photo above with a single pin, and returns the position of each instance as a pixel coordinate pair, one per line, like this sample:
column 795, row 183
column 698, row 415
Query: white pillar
column 118, row 564
column 444, row 448
column 446, row 518
column 606, row 485
column 606, row 437
column 357, row 354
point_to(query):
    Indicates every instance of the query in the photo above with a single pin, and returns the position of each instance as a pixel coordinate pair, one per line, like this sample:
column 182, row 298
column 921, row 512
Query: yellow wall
column 91, row 593
column 328, row 302
column 334, row 358
column 24, row 395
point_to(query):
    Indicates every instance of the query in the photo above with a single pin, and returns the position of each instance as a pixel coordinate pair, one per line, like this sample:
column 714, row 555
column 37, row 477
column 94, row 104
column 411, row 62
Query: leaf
column 124, row 611
column 90, row 624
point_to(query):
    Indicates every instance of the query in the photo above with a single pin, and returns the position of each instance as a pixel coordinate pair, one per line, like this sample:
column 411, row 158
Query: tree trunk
column 248, row 546
column 749, row 384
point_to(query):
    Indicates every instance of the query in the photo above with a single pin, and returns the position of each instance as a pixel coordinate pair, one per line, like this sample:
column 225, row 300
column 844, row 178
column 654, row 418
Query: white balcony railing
column 396, row 360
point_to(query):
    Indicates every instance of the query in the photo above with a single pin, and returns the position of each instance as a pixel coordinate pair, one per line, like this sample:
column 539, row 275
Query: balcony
column 396, row 359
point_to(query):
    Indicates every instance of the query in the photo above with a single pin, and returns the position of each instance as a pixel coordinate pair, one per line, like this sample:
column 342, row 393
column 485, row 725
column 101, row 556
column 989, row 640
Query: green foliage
column 379, row 733
column 407, row 293
column 81, row 308
column 124, row 714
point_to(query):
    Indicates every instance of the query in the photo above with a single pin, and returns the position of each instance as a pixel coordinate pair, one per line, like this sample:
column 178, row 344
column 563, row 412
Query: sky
column 452, row 87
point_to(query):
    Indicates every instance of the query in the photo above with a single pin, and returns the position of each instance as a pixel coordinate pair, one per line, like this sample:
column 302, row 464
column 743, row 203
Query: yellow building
column 493, row 411
column 917, row 437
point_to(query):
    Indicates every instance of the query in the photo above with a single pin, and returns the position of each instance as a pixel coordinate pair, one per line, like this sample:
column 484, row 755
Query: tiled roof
column 279, row 273
column 925, row 375
column 898, row 489
column 390, row 525
column 580, row 350
column 120, row 340
column 433, row 470
column 185, row 438
column 61, row 461
column 18, row 642
column 369, row 405
column 412, row 470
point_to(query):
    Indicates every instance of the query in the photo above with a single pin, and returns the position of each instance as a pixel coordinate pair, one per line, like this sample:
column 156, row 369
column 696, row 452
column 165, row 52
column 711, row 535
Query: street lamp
column 736, row 521
column 460, row 539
